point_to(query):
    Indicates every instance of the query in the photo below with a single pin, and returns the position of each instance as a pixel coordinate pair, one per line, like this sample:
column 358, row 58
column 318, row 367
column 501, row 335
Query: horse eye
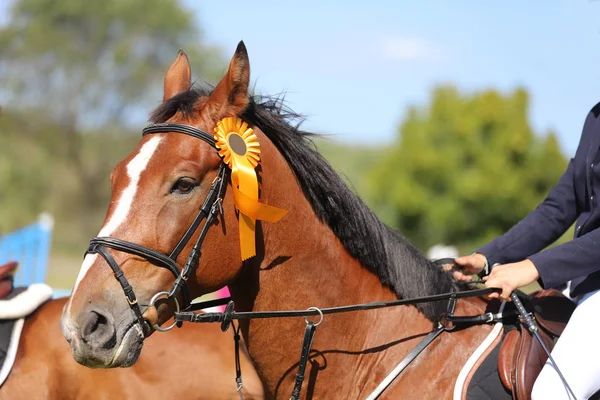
column 183, row 186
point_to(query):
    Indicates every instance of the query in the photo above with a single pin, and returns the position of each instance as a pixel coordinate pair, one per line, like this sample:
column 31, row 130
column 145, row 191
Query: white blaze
column 134, row 170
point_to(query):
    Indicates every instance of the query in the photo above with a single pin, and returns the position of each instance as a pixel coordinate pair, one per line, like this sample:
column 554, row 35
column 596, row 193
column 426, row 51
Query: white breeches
column 577, row 354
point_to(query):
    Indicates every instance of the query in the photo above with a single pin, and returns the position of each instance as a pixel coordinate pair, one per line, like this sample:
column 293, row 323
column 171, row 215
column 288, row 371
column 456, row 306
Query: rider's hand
column 469, row 265
column 509, row 277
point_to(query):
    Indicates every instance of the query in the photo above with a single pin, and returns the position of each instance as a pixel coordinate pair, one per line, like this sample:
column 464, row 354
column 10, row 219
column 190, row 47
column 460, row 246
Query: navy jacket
column 575, row 197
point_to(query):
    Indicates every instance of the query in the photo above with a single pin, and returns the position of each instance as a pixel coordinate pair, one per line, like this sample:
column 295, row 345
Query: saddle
column 521, row 356
column 6, row 278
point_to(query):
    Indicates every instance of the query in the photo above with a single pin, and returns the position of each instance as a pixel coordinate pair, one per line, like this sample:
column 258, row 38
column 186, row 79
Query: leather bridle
column 208, row 213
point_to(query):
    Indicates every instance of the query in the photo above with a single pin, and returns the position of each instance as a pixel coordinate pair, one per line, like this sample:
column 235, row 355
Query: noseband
column 208, row 213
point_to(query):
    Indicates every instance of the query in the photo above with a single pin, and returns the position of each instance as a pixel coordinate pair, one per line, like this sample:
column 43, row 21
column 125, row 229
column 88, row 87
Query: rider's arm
column 553, row 216
column 570, row 260
column 540, row 228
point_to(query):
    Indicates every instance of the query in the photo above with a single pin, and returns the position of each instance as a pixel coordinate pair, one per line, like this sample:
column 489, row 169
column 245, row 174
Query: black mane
column 398, row 264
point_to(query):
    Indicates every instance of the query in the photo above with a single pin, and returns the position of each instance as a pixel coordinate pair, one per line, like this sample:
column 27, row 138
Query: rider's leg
column 576, row 353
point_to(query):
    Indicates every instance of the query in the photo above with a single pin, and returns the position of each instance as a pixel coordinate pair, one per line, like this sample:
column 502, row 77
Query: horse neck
column 303, row 263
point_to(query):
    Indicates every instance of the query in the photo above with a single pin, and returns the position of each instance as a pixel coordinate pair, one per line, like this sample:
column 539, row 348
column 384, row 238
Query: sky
column 354, row 67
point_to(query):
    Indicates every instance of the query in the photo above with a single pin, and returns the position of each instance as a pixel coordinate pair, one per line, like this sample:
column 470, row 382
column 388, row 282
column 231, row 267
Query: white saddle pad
column 13, row 311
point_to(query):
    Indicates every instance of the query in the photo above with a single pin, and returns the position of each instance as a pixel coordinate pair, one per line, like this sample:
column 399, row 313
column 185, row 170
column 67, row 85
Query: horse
column 202, row 358
column 328, row 250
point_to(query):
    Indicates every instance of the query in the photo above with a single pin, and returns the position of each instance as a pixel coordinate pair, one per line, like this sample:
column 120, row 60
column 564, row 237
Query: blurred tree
column 20, row 202
column 90, row 63
column 79, row 74
column 464, row 169
column 350, row 161
column 36, row 176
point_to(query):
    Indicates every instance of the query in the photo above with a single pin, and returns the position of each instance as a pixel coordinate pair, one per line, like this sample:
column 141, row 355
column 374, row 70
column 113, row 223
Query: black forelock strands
column 398, row 264
column 182, row 102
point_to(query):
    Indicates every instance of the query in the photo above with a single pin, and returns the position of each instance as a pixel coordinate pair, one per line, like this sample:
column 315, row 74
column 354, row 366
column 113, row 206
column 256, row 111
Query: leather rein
column 447, row 322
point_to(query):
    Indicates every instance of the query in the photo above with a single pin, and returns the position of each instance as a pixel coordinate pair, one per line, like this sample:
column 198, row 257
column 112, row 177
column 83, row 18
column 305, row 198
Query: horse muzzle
column 98, row 342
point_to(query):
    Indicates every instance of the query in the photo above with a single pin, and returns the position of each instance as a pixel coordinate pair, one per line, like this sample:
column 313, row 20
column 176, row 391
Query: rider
column 574, row 265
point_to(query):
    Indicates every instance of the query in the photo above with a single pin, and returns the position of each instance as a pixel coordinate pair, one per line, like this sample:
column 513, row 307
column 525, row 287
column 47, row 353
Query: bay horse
column 328, row 250
column 200, row 357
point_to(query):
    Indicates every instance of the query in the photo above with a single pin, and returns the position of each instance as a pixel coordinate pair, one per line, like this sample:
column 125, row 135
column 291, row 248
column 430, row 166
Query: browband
column 180, row 128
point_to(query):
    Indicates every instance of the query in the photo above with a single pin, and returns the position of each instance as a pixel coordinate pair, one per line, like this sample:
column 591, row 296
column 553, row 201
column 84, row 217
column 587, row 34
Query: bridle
column 210, row 209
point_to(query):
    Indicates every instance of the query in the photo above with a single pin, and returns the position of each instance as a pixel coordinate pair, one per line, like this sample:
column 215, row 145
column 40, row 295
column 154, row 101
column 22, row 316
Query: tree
column 96, row 63
column 21, row 179
column 91, row 70
column 465, row 169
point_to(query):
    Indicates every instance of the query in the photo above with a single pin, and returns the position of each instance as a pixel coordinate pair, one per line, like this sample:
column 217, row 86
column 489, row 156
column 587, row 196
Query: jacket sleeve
column 570, row 260
column 540, row 228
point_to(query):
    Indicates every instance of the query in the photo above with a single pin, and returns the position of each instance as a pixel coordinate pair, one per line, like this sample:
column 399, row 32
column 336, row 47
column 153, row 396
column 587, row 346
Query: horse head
column 173, row 186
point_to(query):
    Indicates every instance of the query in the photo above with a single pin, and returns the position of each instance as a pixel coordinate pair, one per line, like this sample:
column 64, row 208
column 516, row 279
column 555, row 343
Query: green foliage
column 36, row 175
column 93, row 63
column 465, row 169
column 351, row 162
column 23, row 163
column 78, row 79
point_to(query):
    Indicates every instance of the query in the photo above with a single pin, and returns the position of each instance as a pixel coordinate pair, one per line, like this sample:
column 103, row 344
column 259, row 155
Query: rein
column 226, row 317
column 447, row 322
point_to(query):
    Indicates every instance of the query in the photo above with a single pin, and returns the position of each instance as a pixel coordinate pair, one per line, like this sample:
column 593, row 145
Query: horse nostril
column 97, row 330
column 94, row 321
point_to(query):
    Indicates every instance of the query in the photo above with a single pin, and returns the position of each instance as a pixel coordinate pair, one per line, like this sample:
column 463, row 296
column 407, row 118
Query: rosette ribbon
column 239, row 148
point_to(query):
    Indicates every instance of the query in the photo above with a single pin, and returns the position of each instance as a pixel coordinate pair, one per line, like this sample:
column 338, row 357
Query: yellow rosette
column 240, row 150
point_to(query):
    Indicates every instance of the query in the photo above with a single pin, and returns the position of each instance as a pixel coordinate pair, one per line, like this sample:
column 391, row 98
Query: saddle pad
column 486, row 383
column 23, row 301
column 479, row 379
column 13, row 310
column 10, row 332
column 473, row 361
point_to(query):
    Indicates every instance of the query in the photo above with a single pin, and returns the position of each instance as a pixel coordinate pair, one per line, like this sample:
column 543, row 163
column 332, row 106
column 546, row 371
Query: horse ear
column 230, row 96
column 179, row 76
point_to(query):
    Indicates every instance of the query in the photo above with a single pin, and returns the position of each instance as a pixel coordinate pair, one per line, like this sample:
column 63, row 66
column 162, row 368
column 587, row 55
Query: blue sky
column 354, row 67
